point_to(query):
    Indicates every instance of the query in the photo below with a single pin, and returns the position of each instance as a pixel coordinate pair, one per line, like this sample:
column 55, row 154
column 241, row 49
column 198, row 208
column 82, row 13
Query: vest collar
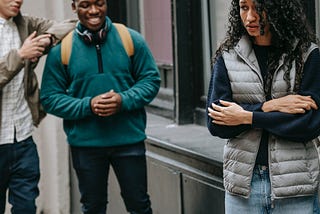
column 245, row 50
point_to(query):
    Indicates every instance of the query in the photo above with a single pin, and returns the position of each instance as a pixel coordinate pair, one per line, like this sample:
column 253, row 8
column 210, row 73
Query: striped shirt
column 16, row 118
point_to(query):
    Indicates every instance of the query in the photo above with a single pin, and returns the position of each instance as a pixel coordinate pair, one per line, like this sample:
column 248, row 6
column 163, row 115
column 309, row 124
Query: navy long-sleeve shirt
column 294, row 127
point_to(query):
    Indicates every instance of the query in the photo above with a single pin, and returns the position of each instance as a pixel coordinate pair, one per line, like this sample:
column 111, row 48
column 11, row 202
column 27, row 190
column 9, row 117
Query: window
column 214, row 20
column 218, row 19
column 152, row 18
column 157, row 29
column 309, row 8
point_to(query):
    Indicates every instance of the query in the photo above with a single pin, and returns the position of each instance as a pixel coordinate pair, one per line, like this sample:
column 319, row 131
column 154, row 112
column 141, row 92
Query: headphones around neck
column 92, row 37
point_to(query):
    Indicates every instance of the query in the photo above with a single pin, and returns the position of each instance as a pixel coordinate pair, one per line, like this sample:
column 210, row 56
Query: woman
column 264, row 96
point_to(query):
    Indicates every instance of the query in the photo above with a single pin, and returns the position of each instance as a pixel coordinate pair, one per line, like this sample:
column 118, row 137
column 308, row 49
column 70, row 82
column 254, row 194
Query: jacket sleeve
column 54, row 91
column 36, row 24
column 220, row 89
column 60, row 29
column 57, row 29
column 146, row 75
column 297, row 127
column 10, row 65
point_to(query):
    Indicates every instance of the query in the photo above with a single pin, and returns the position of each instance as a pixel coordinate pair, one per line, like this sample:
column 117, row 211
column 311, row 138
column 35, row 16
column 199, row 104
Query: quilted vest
column 293, row 166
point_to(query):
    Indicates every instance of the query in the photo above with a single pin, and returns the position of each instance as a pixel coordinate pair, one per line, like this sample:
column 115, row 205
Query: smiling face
column 10, row 8
column 251, row 21
column 91, row 13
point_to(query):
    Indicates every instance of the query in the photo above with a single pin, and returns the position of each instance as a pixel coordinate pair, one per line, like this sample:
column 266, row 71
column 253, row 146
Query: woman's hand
column 292, row 104
column 229, row 114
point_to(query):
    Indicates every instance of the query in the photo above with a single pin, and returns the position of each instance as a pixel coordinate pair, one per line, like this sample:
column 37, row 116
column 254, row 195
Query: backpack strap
column 125, row 38
column 66, row 43
column 66, row 46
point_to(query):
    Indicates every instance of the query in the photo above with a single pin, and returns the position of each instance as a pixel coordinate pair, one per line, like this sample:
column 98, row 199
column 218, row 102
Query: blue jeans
column 129, row 164
column 19, row 172
column 316, row 206
column 260, row 199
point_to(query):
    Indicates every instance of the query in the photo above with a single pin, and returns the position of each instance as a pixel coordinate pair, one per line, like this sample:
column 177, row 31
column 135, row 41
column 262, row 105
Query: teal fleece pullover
column 67, row 93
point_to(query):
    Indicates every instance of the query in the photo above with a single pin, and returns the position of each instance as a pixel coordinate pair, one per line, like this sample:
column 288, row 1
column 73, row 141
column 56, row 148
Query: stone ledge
column 193, row 141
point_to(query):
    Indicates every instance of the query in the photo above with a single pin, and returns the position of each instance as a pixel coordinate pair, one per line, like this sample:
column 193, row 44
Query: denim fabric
column 316, row 206
column 129, row 164
column 19, row 172
column 260, row 202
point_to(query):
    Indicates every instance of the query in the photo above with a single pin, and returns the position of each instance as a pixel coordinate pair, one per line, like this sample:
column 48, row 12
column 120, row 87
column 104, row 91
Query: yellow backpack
column 66, row 43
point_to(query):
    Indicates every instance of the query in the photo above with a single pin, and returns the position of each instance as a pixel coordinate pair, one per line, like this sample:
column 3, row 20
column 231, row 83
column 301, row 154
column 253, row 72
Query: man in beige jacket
column 23, row 40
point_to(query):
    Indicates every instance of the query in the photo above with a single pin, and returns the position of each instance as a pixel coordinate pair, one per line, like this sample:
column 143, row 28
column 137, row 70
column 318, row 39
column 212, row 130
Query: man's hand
column 106, row 104
column 230, row 114
column 292, row 104
column 34, row 46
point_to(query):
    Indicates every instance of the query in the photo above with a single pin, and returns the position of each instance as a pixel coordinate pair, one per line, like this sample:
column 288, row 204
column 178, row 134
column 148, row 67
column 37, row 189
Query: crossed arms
column 294, row 117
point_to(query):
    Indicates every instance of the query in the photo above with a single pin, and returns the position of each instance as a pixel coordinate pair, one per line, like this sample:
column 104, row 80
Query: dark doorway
column 310, row 10
column 117, row 10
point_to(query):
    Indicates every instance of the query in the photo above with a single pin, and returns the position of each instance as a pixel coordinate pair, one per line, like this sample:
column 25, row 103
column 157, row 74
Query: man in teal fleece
column 101, row 96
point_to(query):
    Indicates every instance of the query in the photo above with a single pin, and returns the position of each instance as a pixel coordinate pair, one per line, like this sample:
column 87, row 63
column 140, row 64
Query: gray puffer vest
column 293, row 166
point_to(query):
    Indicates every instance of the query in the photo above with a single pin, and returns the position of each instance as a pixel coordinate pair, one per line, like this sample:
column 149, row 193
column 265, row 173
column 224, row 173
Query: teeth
column 94, row 19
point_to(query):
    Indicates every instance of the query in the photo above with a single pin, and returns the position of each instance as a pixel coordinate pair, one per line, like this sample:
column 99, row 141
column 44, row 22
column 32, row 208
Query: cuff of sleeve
column 52, row 40
column 260, row 106
column 20, row 61
column 88, row 109
column 257, row 119
column 124, row 106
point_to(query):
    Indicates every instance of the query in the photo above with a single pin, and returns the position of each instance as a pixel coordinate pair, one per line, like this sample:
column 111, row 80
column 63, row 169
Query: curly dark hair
column 291, row 35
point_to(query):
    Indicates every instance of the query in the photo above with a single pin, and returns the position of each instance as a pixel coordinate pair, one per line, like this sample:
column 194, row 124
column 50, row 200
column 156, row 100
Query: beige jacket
column 12, row 63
